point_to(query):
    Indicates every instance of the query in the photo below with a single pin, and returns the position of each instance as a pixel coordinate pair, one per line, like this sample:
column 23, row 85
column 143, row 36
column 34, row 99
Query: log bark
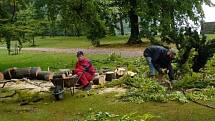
column 22, row 73
column 1, row 76
column 9, row 73
column 19, row 73
column 45, row 75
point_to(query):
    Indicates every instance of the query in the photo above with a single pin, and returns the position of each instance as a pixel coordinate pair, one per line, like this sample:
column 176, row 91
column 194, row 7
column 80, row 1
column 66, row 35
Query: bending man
column 158, row 58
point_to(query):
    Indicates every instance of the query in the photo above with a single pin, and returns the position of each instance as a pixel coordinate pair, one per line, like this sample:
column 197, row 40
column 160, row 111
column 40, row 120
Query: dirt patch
column 122, row 52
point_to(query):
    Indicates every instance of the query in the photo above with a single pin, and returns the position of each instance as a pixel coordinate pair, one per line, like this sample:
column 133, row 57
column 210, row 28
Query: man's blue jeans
column 151, row 66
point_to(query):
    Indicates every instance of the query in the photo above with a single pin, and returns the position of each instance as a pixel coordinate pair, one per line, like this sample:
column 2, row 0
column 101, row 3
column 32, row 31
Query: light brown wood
column 1, row 76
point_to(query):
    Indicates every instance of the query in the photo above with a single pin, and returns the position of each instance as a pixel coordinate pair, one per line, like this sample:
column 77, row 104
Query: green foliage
column 194, row 80
column 205, row 94
column 143, row 90
column 177, row 96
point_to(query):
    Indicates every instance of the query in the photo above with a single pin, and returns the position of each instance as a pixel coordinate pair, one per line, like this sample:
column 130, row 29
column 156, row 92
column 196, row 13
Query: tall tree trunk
column 121, row 24
column 14, row 11
column 33, row 41
column 134, row 37
column 65, row 31
column 78, row 31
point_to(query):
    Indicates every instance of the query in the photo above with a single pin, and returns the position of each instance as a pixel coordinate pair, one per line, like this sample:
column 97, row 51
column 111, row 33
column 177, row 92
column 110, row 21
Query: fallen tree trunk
column 45, row 75
column 19, row 73
column 1, row 76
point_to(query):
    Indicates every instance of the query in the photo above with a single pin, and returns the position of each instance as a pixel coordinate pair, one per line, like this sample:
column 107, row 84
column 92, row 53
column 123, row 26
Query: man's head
column 171, row 53
column 80, row 55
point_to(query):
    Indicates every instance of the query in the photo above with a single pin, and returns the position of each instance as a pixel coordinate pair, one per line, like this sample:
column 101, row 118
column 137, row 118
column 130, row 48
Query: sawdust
column 33, row 85
column 119, row 90
column 44, row 86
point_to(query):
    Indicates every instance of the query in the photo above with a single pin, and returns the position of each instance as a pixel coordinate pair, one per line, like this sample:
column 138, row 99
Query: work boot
column 87, row 87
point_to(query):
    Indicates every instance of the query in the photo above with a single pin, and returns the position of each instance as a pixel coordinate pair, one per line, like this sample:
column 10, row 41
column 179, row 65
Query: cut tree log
column 119, row 72
column 109, row 76
column 45, row 75
column 22, row 73
column 1, row 76
column 9, row 73
column 19, row 73
column 34, row 72
column 96, row 79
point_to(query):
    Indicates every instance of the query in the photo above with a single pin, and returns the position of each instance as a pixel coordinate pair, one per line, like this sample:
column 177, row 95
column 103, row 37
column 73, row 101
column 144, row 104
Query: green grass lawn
column 44, row 60
column 79, row 42
column 76, row 42
column 72, row 108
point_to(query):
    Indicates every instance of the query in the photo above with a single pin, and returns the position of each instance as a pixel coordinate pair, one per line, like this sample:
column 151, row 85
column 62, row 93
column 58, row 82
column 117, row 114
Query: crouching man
column 84, row 70
column 159, row 58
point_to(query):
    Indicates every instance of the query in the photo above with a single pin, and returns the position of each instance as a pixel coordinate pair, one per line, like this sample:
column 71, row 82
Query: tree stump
column 109, row 76
column 96, row 79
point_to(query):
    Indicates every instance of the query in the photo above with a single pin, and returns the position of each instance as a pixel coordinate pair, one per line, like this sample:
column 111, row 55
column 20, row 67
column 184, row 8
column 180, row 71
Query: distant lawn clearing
column 76, row 42
column 44, row 60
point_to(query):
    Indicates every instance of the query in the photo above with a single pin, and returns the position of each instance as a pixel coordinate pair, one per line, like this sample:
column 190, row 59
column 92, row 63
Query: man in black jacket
column 158, row 58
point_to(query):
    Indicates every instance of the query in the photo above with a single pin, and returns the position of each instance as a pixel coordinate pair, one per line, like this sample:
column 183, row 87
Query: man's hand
column 163, row 71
